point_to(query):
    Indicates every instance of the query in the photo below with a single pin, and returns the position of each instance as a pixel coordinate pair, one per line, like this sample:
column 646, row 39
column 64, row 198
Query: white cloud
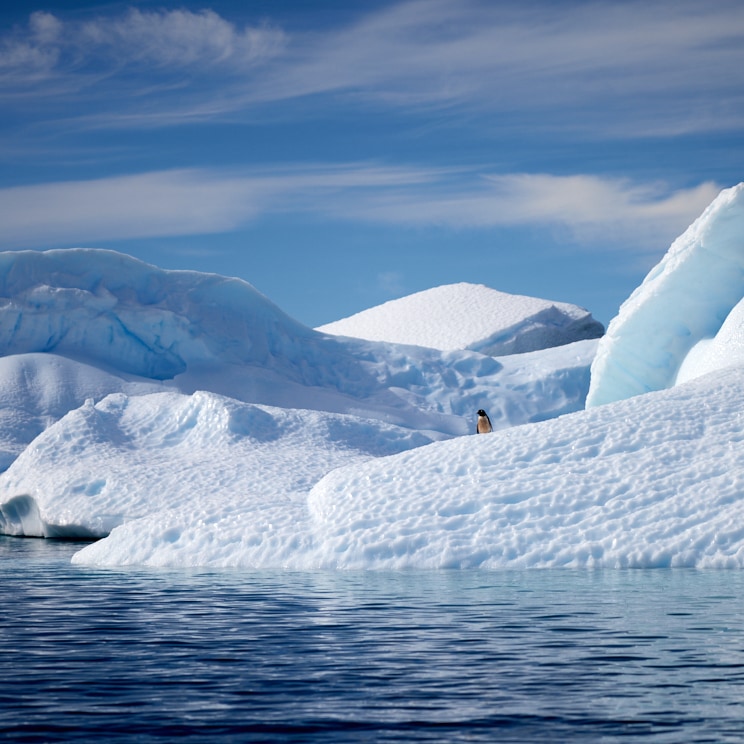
column 590, row 209
column 150, row 204
column 196, row 201
column 178, row 38
column 635, row 67
column 136, row 52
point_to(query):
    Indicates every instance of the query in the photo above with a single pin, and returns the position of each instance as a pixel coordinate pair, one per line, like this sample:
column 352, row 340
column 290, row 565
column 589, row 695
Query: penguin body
column 483, row 425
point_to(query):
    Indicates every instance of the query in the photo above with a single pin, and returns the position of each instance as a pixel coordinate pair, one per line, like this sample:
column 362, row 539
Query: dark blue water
column 154, row 656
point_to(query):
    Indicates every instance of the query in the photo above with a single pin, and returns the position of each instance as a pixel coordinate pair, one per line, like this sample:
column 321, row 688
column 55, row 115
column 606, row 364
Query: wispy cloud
column 179, row 38
column 593, row 209
column 140, row 54
column 636, row 67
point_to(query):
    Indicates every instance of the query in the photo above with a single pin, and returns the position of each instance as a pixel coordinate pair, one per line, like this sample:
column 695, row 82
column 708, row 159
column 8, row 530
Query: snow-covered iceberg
column 230, row 435
column 653, row 481
column 471, row 316
column 666, row 331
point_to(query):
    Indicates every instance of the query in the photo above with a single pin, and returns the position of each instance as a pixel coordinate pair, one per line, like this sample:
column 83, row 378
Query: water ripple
column 332, row 656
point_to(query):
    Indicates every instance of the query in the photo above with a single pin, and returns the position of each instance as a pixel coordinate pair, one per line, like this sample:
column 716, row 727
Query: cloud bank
column 195, row 201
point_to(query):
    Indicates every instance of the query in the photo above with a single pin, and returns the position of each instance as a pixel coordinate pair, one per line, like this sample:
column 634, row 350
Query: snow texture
column 126, row 457
column 471, row 316
column 678, row 310
column 654, row 481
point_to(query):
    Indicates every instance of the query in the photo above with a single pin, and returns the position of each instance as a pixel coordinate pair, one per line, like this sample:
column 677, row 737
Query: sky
column 337, row 155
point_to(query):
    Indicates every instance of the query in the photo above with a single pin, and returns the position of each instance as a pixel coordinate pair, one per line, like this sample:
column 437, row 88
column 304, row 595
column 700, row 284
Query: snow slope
column 652, row 481
column 211, row 457
column 678, row 309
column 471, row 316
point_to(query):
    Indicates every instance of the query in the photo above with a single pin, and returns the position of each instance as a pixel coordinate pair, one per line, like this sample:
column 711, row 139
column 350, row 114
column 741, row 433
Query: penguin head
column 481, row 412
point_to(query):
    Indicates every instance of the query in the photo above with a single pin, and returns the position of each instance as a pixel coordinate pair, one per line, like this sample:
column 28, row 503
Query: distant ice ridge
column 471, row 316
column 193, row 331
column 653, row 481
column 686, row 318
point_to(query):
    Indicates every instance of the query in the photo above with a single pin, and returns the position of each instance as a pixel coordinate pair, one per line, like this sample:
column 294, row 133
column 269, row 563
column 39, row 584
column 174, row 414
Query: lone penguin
column 484, row 423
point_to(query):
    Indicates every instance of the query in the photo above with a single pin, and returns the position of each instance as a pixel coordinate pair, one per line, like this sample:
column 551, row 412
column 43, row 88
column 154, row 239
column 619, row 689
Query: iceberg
column 678, row 310
column 471, row 316
column 232, row 436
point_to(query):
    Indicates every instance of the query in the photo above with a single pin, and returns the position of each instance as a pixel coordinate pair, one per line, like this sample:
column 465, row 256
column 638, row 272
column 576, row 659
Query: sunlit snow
column 471, row 316
column 185, row 431
column 79, row 325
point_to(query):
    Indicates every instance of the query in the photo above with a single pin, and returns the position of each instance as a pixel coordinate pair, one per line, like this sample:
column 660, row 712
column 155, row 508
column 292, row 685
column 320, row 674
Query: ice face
column 684, row 300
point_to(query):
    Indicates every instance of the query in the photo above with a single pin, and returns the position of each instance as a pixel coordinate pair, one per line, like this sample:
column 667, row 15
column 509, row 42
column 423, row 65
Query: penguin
column 484, row 423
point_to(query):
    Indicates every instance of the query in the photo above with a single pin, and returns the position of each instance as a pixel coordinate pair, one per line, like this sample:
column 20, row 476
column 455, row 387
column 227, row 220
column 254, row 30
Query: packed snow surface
column 127, row 457
column 652, row 481
column 471, row 316
column 684, row 319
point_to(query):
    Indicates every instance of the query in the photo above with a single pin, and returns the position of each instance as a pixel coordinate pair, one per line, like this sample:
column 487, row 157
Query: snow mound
column 653, row 481
column 471, row 316
column 38, row 389
column 678, row 310
column 205, row 455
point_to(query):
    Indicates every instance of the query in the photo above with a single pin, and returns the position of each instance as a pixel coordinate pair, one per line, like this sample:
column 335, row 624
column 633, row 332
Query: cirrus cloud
column 195, row 201
column 612, row 69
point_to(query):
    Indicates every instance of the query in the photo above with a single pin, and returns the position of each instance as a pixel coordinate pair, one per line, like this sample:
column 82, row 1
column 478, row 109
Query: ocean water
column 476, row 656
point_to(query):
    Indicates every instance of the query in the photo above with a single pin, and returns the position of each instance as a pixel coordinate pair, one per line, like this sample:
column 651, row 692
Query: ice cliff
column 666, row 331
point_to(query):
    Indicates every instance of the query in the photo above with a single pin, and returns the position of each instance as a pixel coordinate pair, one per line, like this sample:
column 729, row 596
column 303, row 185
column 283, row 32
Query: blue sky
column 337, row 154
